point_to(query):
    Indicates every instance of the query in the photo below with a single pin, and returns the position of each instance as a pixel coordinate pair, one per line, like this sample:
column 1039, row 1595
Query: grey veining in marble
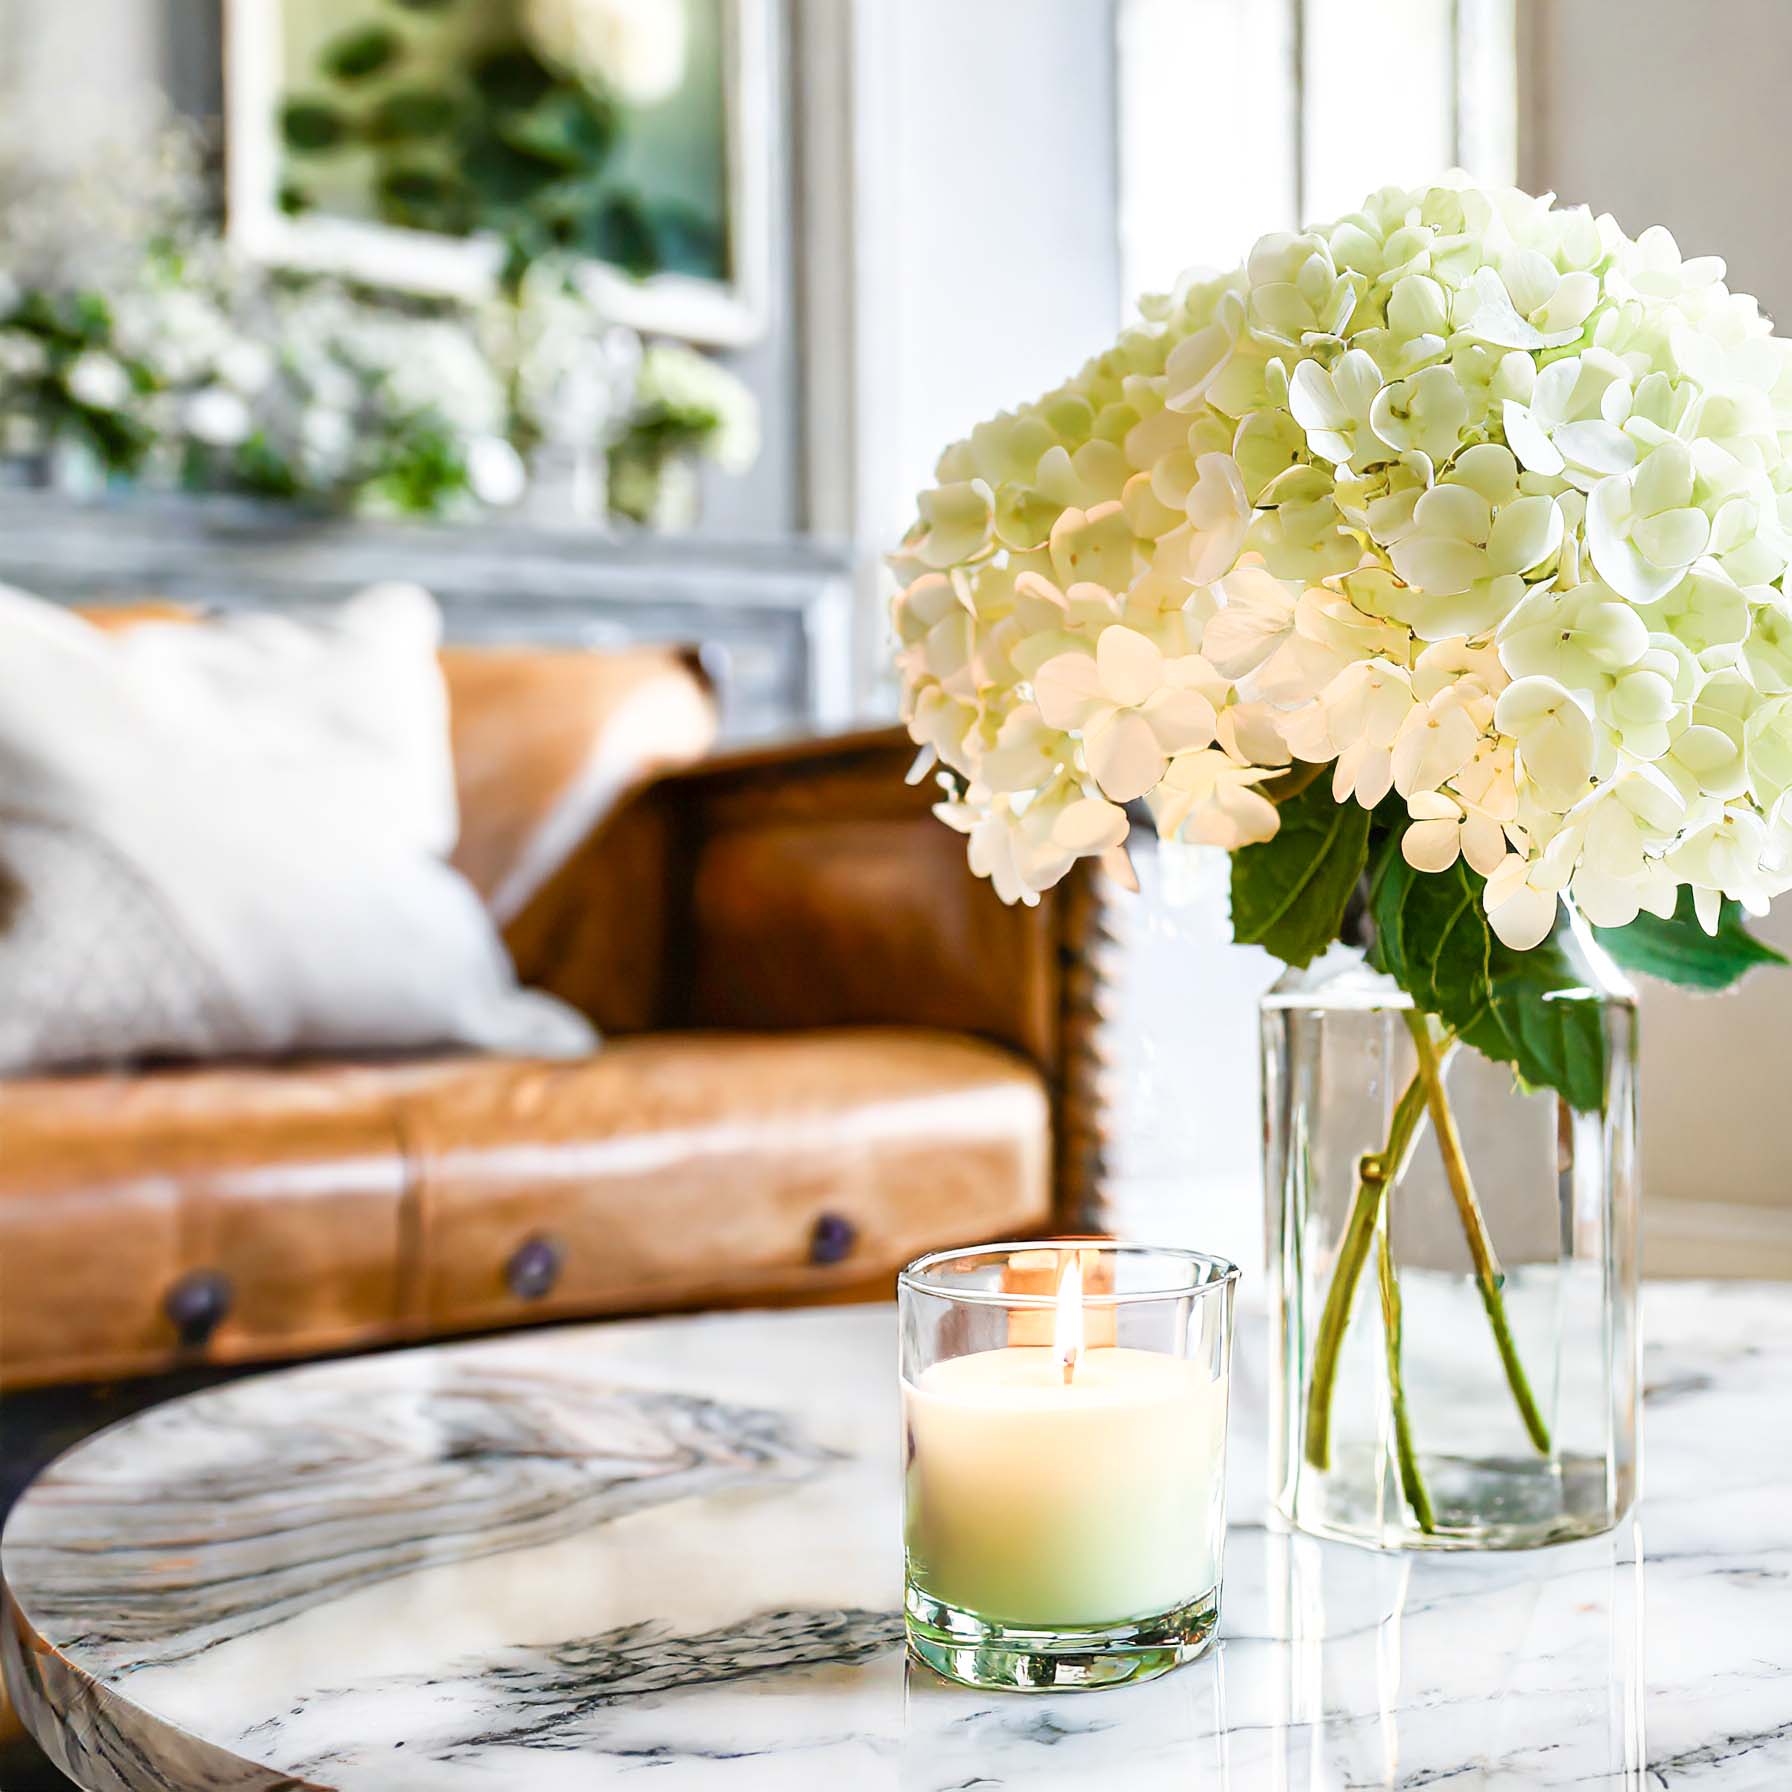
column 670, row 1550
column 352, row 1477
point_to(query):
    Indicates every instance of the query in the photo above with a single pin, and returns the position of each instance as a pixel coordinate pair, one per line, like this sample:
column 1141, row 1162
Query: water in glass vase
column 1453, row 1264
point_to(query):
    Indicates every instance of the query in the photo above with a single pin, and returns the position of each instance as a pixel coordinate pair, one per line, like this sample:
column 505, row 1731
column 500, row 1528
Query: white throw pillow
column 229, row 839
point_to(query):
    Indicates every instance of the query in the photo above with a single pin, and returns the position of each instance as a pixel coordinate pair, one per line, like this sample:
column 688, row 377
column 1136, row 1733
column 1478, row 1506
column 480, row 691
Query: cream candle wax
column 1064, row 1460
column 1039, row 1501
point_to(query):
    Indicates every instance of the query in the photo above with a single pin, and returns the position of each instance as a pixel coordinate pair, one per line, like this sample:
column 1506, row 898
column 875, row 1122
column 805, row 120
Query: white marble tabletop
column 667, row 1554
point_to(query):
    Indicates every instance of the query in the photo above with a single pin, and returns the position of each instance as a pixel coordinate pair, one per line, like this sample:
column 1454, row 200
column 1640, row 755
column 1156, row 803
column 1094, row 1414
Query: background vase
column 567, row 487
column 655, row 487
column 73, row 467
column 1454, row 1333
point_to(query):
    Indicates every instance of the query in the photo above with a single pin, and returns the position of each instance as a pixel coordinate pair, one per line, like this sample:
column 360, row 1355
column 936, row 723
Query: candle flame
column 1067, row 1331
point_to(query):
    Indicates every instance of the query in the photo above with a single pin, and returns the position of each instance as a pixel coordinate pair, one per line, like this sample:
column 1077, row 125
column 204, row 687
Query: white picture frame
column 722, row 314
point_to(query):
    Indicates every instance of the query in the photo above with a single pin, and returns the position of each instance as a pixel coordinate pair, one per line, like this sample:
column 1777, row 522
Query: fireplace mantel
column 774, row 617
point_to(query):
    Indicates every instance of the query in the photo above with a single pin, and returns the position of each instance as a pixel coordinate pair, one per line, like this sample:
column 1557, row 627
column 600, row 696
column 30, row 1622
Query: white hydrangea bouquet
column 1453, row 534
column 1438, row 552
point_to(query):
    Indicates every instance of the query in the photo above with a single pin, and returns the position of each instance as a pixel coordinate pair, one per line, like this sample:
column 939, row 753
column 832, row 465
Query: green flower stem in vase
column 1411, row 1480
column 1375, row 1175
column 1487, row 1268
column 1378, row 1176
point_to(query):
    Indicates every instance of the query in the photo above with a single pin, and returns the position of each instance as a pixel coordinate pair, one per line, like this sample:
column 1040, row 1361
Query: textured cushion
column 229, row 839
column 90, row 956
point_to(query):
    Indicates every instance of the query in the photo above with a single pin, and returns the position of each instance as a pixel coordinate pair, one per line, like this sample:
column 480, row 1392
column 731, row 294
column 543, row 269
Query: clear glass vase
column 1453, row 1272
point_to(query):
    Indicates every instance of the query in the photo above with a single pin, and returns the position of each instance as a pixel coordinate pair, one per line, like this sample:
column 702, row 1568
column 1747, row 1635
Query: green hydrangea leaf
column 1432, row 938
column 570, row 127
column 1680, row 951
column 503, row 175
column 313, row 127
column 686, row 242
column 621, row 231
column 358, row 54
column 511, row 78
column 411, row 113
column 1289, row 892
column 415, row 195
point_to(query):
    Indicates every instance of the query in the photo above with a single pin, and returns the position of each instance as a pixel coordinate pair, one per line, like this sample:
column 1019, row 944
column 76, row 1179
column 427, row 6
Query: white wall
column 987, row 236
column 1662, row 112
column 961, row 232
column 1672, row 113
column 68, row 68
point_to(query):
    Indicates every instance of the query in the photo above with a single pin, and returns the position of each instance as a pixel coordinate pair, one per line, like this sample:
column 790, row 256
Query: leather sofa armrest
column 808, row 885
column 823, row 892
column 598, row 933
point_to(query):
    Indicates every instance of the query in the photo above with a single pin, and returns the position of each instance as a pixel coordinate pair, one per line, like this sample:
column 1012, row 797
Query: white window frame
column 1184, row 65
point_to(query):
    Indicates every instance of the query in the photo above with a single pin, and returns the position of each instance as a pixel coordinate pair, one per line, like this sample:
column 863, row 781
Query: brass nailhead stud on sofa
column 534, row 1268
column 197, row 1305
column 832, row 1239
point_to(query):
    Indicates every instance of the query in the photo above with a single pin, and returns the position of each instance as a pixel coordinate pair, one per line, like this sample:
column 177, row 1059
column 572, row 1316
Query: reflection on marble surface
column 673, row 1548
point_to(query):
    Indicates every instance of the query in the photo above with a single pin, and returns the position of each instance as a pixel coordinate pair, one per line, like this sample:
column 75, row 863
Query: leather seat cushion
column 678, row 1168
column 113, row 1186
column 353, row 1204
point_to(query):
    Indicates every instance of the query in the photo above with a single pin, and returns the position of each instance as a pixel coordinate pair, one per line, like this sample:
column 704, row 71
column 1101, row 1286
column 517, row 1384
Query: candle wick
column 1067, row 1329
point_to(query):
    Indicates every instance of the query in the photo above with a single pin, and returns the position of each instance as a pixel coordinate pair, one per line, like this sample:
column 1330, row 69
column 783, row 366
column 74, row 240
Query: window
column 1241, row 116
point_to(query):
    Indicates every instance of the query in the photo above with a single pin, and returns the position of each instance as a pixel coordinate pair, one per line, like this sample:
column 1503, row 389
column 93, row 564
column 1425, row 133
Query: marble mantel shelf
column 775, row 616
column 670, row 1550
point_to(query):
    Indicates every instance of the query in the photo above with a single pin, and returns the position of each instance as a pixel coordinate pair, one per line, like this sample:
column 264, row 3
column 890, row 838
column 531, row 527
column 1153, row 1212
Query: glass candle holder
column 1064, row 1460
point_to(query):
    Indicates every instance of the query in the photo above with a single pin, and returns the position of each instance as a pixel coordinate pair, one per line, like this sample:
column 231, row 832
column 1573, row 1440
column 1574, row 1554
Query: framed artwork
column 427, row 145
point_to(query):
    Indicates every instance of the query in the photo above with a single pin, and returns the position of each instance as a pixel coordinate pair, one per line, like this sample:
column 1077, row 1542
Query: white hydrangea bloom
column 97, row 380
column 1131, row 707
column 1472, row 498
column 636, row 48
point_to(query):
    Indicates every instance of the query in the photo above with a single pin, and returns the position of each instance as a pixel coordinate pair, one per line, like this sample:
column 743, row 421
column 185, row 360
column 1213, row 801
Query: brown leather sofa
column 828, row 1048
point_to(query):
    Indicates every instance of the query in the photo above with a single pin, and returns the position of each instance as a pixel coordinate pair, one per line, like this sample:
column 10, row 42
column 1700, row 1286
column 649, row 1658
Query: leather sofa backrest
column 545, row 741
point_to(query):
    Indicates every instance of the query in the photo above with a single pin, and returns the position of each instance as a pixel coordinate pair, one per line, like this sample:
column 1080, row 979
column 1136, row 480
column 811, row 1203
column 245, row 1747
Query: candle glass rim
column 1220, row 1273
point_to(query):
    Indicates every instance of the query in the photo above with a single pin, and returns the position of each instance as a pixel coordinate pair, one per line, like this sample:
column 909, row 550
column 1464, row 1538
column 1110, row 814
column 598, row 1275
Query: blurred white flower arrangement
column 135, row 346
column 684, row 406
column 635, row 47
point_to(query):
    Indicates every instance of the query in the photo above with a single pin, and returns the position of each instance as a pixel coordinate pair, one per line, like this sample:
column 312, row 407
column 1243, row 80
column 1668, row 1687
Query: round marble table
column 669, row 1550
